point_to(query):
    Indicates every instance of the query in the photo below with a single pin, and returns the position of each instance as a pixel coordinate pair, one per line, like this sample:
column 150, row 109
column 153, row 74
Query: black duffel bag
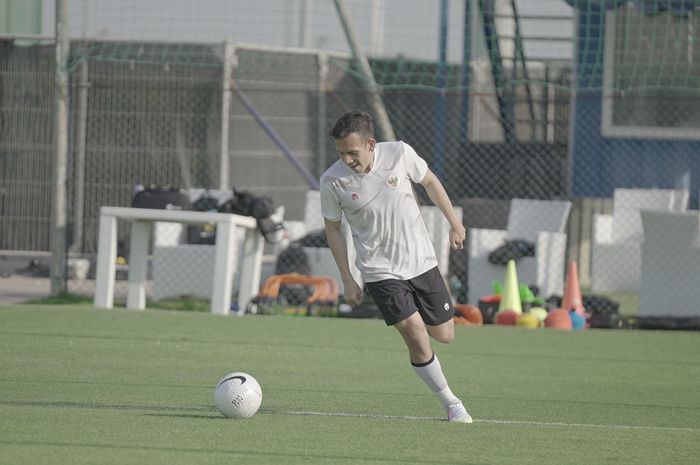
column 170, row 198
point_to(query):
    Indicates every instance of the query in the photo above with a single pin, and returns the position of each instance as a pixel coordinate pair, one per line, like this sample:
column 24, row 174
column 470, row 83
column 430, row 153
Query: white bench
column 616, row 250
column 670, row 259
column 226, row 256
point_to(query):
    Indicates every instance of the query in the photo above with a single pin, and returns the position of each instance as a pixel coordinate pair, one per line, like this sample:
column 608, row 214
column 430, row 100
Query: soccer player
column 371, row 185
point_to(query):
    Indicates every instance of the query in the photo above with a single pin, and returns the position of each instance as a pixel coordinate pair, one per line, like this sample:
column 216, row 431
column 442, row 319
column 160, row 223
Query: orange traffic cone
column 572, row 294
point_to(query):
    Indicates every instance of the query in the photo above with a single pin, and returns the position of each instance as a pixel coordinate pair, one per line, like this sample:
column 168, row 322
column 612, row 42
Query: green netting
column 146, row 52
column 654, row 52
column 645, row 47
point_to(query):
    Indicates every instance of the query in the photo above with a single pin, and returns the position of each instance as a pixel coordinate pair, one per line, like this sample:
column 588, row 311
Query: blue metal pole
column 442, row 97
column 466, row 74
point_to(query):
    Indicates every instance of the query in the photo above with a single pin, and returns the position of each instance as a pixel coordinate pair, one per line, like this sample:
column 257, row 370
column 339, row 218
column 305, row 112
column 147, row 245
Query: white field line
column 498, row 422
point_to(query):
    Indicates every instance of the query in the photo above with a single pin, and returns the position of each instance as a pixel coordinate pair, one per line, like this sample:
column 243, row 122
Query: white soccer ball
column 238, row 395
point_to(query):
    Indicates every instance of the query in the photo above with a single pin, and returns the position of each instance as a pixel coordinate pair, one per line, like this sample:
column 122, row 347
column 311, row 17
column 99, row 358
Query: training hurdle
column 226, row 255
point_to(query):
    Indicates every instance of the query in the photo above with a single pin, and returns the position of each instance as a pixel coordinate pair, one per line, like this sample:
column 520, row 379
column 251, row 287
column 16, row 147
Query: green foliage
column 63, row 298
column 182, row 303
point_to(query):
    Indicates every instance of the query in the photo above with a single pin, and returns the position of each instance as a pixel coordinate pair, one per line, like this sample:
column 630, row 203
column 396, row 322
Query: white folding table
column 226, row 253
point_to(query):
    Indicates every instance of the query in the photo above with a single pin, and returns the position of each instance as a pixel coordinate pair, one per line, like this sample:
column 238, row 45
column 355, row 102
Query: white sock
column 431, row 374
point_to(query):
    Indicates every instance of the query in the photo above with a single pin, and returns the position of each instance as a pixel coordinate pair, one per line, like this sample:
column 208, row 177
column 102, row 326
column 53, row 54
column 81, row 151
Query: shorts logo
column 354, row 196
column 393, row 181
column 446, row 306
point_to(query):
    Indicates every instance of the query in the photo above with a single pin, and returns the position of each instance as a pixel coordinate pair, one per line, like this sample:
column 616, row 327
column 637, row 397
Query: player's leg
column 413, row 332
column 435, row 305
column 424, row 361
column 428, row 368
column 397, row 302
column 397, row 305
column 437, row 313
column 444, row 332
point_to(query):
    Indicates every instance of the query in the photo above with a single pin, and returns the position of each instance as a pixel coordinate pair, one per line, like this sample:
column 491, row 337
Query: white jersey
column 388, row 232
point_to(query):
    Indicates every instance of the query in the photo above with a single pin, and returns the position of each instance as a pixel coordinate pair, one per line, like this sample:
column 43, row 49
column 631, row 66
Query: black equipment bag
column 161, row 198
column 512, row 250
column 259, row 207
column 293, row 259
column 247, row 204
column 203, row 233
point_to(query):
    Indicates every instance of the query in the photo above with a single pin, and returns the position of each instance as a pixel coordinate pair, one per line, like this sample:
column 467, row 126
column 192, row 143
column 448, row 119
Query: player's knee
column 444, row 335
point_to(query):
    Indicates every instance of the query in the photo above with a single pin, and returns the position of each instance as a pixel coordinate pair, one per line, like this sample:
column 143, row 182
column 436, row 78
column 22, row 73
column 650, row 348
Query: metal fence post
column 60, row 146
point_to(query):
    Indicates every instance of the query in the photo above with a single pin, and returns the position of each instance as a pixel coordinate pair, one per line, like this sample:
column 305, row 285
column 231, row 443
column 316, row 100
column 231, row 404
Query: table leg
column 251, row 265
column 224, row 265
column 106, row 260
column 138, row 254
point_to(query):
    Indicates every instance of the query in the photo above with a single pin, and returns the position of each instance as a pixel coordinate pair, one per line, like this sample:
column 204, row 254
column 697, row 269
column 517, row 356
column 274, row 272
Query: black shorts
column 426, row 294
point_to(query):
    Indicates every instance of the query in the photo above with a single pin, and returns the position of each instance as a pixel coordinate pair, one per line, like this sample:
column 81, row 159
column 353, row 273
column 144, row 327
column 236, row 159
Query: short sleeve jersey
column 388, row 231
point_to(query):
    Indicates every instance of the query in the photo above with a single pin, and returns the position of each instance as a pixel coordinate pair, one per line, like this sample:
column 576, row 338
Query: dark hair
column 356, row 121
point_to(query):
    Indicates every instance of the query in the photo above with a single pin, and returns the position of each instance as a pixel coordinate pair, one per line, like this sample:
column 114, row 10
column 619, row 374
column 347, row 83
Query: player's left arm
column 436, row 192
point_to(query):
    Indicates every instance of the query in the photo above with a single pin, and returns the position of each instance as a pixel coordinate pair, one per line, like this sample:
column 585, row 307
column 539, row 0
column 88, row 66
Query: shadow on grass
column 278, row 456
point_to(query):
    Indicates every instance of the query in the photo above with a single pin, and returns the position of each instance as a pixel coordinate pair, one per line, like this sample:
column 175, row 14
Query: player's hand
column 353, row 293
column 457, row 236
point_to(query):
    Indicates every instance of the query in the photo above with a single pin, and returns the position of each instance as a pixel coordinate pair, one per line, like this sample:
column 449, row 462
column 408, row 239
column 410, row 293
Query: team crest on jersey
column 393, row 181
column 354, row 196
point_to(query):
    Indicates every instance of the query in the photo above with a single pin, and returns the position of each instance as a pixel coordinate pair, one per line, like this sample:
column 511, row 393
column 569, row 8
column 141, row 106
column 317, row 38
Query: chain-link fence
column 182, row 125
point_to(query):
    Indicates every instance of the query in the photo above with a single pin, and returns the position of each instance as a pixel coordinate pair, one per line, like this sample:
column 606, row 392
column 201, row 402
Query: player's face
column 356, row 152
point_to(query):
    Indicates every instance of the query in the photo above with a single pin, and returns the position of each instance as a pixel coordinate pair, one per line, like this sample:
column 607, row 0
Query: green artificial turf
column 84, row 386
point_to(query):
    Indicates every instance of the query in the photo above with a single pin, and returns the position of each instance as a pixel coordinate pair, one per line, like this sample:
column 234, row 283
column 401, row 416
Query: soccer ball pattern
column 238, row 395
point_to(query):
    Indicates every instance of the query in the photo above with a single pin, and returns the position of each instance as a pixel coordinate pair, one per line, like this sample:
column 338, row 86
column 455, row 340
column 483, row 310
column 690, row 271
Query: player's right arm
column 339, row 249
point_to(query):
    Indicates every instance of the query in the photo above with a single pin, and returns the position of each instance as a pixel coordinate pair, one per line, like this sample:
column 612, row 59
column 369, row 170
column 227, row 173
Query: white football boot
column 456, row 413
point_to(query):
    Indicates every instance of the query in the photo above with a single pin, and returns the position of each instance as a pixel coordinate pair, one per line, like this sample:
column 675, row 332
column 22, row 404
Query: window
column 651, row 75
